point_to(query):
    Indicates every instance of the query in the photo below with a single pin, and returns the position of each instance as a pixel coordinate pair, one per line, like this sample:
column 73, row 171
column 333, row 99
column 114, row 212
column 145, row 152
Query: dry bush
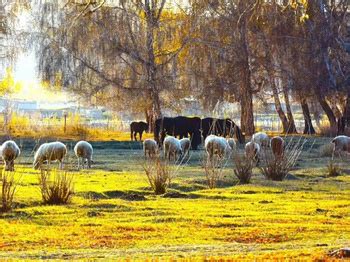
column 159, row 174
column 8, row 190
column 243, row 168
column 327, row 150
column 277, row 168
column 56, row 187
column 214, row 171
column 333, row 169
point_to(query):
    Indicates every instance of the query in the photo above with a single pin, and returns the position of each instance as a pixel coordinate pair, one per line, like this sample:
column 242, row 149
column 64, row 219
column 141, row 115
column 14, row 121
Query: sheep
column 277, row 145
column 341, row 144
column 9, row 152
column 262, row 139
column 215, row 145
column 49, row 152
column 150, row 148
column 252, row 151
column 185, row 146
column 172, row 148
column 232, row 143
column 83, row 150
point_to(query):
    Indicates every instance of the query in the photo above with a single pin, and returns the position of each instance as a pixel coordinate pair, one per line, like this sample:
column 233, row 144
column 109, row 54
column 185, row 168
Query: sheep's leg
column 61, row 164
column 78, row 163
column 140, row 133
column 89, row 163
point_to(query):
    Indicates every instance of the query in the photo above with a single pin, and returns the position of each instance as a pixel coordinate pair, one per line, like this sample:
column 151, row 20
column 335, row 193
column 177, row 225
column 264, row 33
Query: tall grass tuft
column 243, row 168
column 333, row 169
column 8, row 190
column 277, row 168
column 214, row 171
column 56, row 187
column 159, row 174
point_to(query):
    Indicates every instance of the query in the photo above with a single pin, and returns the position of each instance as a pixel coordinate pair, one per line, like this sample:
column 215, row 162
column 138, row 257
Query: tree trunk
column 151, row 66
column 247, row 116
column 279, row 109
column 344, row 121
column 269, row 65
column 308, row 129
column 328, row 110
column 291, row 128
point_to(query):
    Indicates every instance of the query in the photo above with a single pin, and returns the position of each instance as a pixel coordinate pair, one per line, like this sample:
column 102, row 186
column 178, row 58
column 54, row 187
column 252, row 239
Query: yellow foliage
column 8, row 85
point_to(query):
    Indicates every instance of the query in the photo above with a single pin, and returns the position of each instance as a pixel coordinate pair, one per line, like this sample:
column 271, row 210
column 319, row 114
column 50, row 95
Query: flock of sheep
column 173, row 149
column 214, row 146
column 219, row 146
column 47, row 152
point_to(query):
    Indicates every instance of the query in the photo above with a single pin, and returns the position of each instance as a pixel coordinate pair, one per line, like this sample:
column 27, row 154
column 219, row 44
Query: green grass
column 114, row 214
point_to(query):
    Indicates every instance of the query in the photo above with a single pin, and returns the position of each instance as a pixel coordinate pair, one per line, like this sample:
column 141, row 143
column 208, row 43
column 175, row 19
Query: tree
column 122, row 48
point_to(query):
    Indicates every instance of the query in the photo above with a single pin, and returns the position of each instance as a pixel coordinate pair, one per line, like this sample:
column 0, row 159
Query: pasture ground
column 115, row 215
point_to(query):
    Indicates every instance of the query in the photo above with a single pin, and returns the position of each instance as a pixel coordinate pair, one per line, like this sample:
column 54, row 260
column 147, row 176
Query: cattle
column 179, row 126
column 137, row 128
column 221, row 127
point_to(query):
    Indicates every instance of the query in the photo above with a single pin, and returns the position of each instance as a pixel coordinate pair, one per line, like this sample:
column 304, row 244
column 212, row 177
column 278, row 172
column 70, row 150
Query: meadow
column 114, row 213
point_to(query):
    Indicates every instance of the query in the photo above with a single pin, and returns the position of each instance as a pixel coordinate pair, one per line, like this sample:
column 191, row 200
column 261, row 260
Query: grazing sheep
column 9, row 152
column 277, row 145
column 172, row 148
column 341, row 144
column 49, row 152
column 252, row 151
column 215, row 145
column 262, row 139
column 185, row 146
column 150, row 148
column 83, row 150
column 232, row 143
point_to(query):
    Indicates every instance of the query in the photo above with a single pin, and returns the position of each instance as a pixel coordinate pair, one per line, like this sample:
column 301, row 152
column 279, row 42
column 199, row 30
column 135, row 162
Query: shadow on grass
column 128, row 195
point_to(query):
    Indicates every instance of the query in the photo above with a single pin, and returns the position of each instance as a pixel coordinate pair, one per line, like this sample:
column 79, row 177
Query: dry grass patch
column 333, row 169
column 277, row 168
column 159, row 174
column 56, row 187
column 243, row 168
column 8, row 190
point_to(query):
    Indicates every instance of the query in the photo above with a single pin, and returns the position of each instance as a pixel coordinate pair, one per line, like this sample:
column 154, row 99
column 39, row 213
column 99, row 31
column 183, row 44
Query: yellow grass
column 289, row 219
column 22, row 126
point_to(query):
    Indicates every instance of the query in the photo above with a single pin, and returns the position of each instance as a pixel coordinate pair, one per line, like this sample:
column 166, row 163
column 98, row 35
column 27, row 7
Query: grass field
column 114, row 213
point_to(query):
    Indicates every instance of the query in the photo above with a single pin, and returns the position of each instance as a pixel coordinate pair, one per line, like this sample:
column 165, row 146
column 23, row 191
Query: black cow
column 163, row 126
column 137, row 127
column 221, row 127
column 179, row 126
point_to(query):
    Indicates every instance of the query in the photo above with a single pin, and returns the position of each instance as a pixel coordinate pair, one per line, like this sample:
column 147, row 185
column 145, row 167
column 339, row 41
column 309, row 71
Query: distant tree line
column 145, row 55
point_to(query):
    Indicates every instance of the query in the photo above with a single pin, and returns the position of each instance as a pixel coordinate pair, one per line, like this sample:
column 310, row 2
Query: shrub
column 277, row 168
column 159, row 175
column 8, row 190
column 213, row 171
column 243, row 168
column 333, row 169
column 58, row 190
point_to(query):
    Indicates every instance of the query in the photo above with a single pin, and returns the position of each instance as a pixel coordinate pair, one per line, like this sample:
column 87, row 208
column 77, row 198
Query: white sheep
column 252, row 151
column 341, row 144
column 9, row 152
column 172, row 148
column 262, row 139
column 216, row 146
column 185, row 146
column 232, row 143
column 277, row 145
column 49, row 152
column 150, row 148
column 83, row 150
